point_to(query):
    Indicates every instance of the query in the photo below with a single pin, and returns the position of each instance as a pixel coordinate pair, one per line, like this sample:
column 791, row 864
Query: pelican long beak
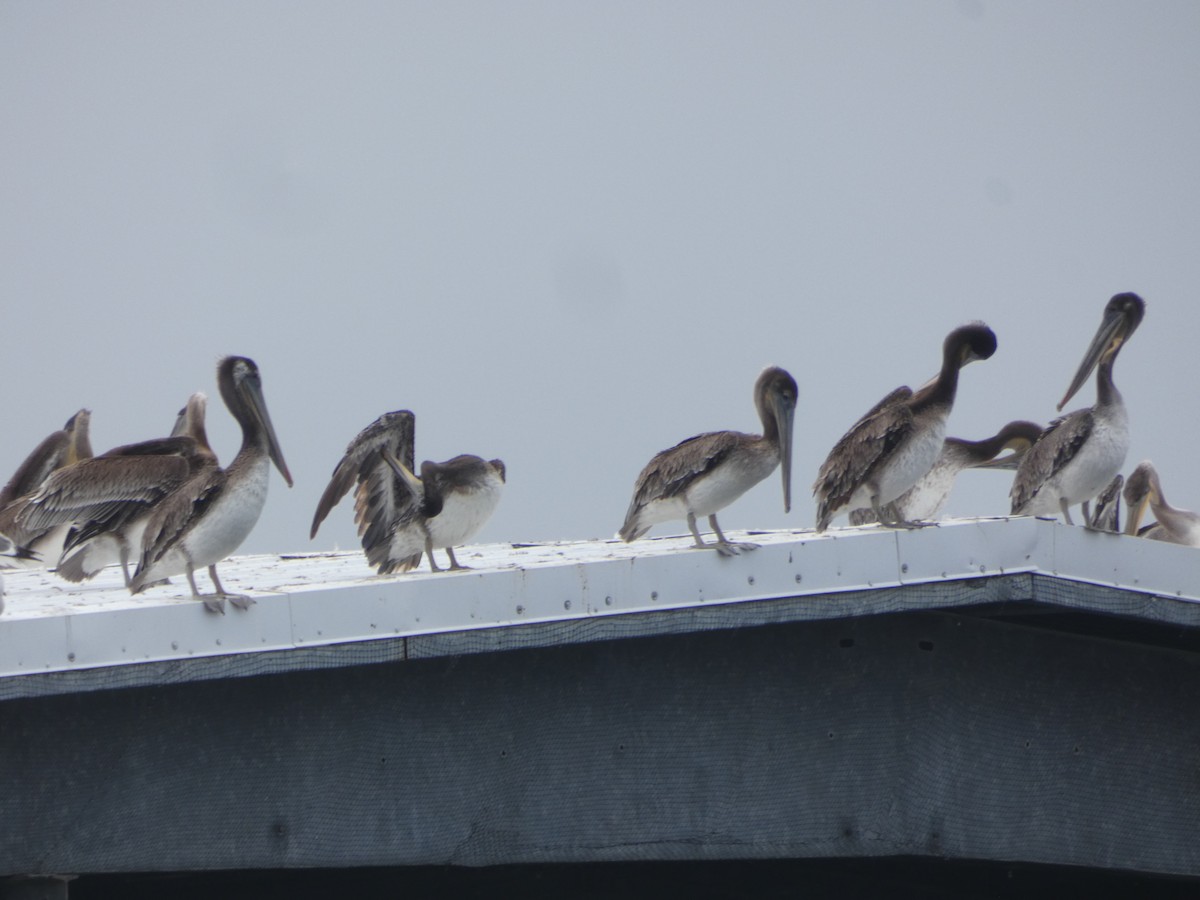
column 1136, row 510
column 259, row 405
column 1113, row 331
column 785, row 413
column 1010, row 462
column 405, row 474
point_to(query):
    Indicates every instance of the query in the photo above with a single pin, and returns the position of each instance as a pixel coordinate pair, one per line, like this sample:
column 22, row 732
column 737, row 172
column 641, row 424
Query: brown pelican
column 897, row 442
column 1079, row 453
column 208, row 516
column 62, row 448
column 705, row 473
column 925, row 499
column 123, row 486
column 1176, row 526
column 443, row 508
column 393, row 431
column 9, row 550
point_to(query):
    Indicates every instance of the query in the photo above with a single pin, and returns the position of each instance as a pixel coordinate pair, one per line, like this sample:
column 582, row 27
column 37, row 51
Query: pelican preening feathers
column 925, row 500
column 703, row 474
column 446, row 506
column 897, row 442
column 1175, row 526
column 401, row 516
column 1078, row 454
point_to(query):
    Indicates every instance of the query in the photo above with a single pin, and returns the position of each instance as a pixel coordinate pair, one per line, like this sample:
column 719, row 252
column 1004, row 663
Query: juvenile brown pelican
column 62, row 448
column 705, row 473
column 207, row 517
column 1079, row 453
column 443, row 508
column 897, row 442
column 1176, row 526
column 122, row 487
column 10, row 553
column 925, row 500
column 393, row 431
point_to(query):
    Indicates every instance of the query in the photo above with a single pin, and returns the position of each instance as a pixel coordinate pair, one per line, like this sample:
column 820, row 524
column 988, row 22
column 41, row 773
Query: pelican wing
column 170, row 518
column 49, row 455
column 899, row 395
column 385, row 504
column 853, row 458
column 672, row 471
column 100, row 488
column 1053, row 450
column 393, row 431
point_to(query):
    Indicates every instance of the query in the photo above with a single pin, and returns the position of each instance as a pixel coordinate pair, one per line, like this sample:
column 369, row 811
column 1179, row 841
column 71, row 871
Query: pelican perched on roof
column 897, row 442
column 705, row 473
column 110, row 499
column 925, row 499
column 10, row 553
column 1176, row 526
column 208, row 516
column 62, row 448
column 443, row 508
column 399, row 515
column 1079, row 453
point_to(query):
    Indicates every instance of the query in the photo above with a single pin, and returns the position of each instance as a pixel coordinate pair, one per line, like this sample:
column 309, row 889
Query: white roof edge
column 313, row 600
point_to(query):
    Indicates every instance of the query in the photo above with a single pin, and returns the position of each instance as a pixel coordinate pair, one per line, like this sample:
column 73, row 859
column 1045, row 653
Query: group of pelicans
column 895, row 465
column 168, row 507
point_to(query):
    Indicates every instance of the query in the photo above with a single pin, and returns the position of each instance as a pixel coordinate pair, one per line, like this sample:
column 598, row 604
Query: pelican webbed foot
column 454, row 563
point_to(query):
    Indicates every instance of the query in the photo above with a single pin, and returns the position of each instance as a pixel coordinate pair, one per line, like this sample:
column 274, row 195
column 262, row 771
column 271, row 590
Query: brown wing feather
column 49, row 455
column 169, row 519
column 673, row 470
column 95, row 488
column 383, row 503
column 854, row 457
column 393, row 431
column 1053, row 450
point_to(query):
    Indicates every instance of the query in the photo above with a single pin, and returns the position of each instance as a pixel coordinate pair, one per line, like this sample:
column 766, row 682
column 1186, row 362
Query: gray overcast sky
column 571, row 234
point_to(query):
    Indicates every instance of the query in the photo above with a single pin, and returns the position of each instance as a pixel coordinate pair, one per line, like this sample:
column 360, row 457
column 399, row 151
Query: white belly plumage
column 222, row 528
column 1094, row 465
column 464, row 513
column 910, row 462
column 711, row 493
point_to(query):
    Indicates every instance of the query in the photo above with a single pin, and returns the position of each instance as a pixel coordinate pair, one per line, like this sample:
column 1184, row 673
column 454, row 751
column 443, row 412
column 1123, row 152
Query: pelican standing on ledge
column 705, row 473
column 897, row 442
column 1175, row 526
column 925, row 500
column 446, row 507
column 207, row 517
column 1079, row 453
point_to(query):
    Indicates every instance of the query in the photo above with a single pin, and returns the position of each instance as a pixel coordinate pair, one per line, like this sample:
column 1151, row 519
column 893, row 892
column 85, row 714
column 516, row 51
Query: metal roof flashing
column 317, row 610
